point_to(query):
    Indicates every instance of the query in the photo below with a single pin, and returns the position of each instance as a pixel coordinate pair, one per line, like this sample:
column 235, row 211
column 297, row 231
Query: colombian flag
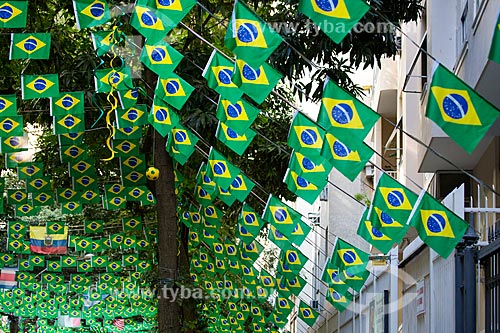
column 44, row 243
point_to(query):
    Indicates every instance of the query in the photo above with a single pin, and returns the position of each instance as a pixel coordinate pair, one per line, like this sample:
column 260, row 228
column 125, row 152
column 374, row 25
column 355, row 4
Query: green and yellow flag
column 174, row 10
column 69, row 123
column 30, row 171
column 236, row 142
column 495, row 45
column 302, row 187
column 241, row 187
column 13, row 14
column 91, row 13
column 220, row 170
column 151, row 23
column 280, row 215
column 307, row 169
column 257, row 83
column 460, row 112
column 339, row 300
column 238, row 115
column 161, row 58
column 307, row 314
column 39, row 86
column 343, row 115
column 437, row 226
column 249, row 37
column 335, row 18
column 348, row 257
column 162, row 117
column 219, row 72
column 173, row 90
column 392, row 205
column 374, row 236
column 8, row 106
column 30, row 46
column 348, row 158
column 113, row 78
column 306, row 137
column 67, row 103
column 11, row 126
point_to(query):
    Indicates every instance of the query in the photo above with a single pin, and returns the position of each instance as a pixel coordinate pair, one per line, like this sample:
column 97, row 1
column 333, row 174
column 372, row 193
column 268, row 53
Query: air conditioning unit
column 369, row 170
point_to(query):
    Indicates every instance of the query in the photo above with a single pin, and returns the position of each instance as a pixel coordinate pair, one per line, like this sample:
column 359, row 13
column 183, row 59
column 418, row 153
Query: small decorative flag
column 42, row 242
column 343, row 115
column 151, row 23
column 13, row 14
column 162, row 117
column 67, row 103
column 219, row 72
column 329, row 15
column 348, row 158
column 250, row 37
column 91, row 13
column 306, row 137
column 302, row 187
column 174, row 90
column 374, row 236
column 8, row 106
column 238, row 115
column 161, row 58
column 437, row 226
column 30, row 46
column 39, row 86
column 116, row 79
column 460, row 112
column 307, row 314
column 236, row 142
column 256, row 83
column 220, row 170
column 307, row 169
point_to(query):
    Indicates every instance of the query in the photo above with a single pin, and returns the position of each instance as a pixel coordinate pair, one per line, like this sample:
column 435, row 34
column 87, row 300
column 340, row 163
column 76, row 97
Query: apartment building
column 414, row 289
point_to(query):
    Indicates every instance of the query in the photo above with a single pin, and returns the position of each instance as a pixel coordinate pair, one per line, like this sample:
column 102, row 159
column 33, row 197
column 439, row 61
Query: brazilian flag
column 39, row 86
column 249, row 37
column 160, row 57
column 219, row 75
column 330, row 15
column 30, row 46
column 459, row 110
column 151, row 23
column 13, row 14
column 236, row 142
column 173, row 90
column 257, row 83
column 91, row 13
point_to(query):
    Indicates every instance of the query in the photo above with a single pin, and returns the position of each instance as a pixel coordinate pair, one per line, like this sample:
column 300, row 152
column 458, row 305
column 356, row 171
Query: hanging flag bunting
column 219, row 72
column 67, row 103
column 281, row 216
column 220, row 170
column 39, row 86
column 372, row 235
column 307, row 169
column 70, row 123
column 330, row 15
column 128, row 98
column 236, row 142
column 307, row 314
column 256, row 83
column 306, row 137
column 151, row 23
column 91, row 13
column 437, row 226
column 338, row 300
column 348, row 257
column 30, row 46
column 173, row 89
column 302, row 187
column 241, row 187
column 113, row 78
column 104, row 40
column 343, row 115
column 14, row 14
column 249, row 37
column 11, row 126
column 8, row 106
column 162, row 117
column 460, row 112
column 348, row 158
column 495, row 45
column 175, row 10
column 161, row 58
column 238, row 115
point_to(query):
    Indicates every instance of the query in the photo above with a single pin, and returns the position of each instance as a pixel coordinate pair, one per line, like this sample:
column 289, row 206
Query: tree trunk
column 14, row 324
column 168, row 309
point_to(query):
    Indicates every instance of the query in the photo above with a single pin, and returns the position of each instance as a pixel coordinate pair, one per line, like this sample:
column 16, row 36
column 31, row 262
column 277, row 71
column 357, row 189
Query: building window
column 463, row 24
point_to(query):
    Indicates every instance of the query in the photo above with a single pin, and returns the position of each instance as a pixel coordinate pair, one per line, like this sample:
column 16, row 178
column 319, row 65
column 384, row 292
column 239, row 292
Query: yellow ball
column 152, row 173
